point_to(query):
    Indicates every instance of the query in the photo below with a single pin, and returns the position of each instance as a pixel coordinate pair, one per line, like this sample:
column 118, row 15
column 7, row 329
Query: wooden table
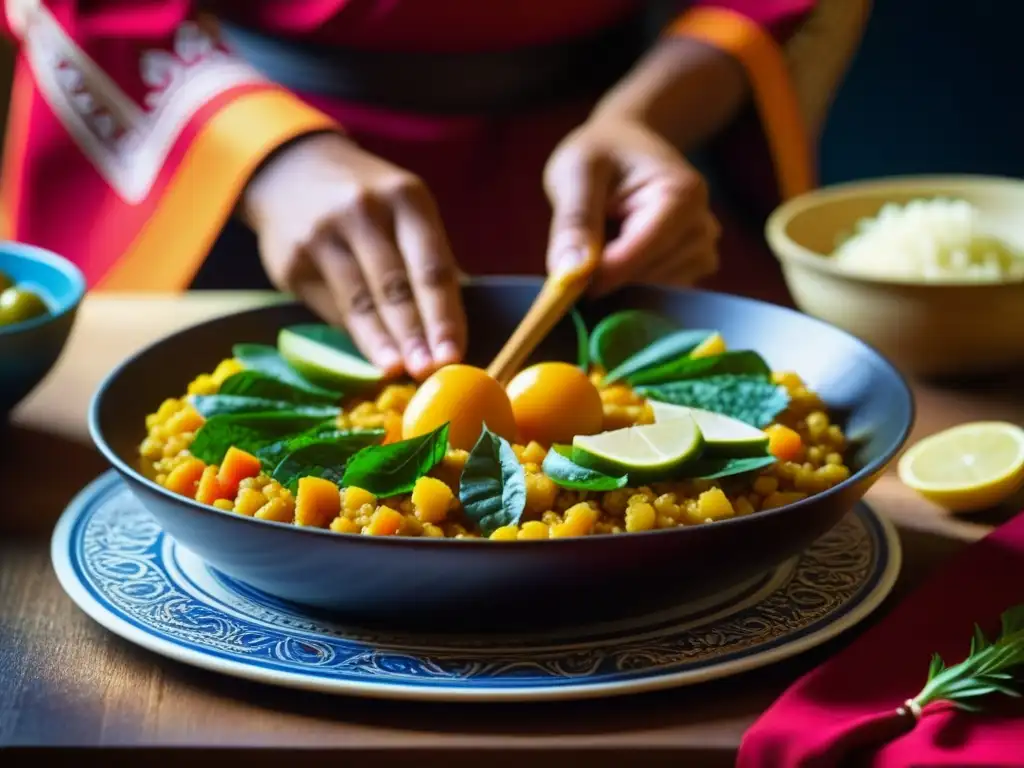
column 65, row 681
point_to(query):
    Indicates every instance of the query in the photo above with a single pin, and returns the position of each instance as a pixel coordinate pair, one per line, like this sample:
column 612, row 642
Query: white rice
column 932, row 239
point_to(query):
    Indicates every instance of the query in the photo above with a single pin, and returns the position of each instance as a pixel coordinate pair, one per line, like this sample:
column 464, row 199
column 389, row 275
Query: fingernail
column 572, row 259
column 446, row 352
column 388, row 359
column 419, row 360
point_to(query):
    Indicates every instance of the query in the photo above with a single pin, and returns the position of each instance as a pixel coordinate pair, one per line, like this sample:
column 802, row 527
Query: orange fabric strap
column 774, row 96
column 204, row 190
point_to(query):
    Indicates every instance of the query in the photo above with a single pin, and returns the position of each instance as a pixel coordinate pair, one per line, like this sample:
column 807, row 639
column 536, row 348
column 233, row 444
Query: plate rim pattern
column 65, row 560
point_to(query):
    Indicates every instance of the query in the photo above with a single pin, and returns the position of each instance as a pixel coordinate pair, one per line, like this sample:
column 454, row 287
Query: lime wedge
column 968, row 467
column 646, row 453
column 326, row 356
column 724, row 436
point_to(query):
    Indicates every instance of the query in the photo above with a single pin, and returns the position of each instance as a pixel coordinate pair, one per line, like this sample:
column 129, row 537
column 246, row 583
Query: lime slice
column 724, row 436
column 646, row 452
column 966, row 468
column 326, row 356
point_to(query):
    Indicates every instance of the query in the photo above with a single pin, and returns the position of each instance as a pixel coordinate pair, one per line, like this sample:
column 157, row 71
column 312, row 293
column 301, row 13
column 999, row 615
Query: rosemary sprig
column 990, row 667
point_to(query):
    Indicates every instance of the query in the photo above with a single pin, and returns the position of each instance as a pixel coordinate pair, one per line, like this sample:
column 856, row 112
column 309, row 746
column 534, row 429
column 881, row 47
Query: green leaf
column 663, row 350
column 272, row 454
column 973, row 708
column 749, row 398
column 979, row 642
column 622, row 334
column 214, row 405
column 582, row 340
column 493, row 484
column 991, row 667
column 566, row 473
column 268, row 387
column 716, row 469
column 1012, row 620
column 324, row 458
column 936, row 666
column 267, row 360
column 247, row 431
column 392, row 469
column 741, row 361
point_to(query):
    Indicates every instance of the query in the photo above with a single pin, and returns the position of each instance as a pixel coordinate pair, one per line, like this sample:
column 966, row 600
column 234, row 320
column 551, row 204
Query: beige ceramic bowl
column 925, row 329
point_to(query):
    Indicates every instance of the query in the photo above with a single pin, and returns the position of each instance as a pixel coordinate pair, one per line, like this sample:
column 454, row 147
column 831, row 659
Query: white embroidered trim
column 128, row 144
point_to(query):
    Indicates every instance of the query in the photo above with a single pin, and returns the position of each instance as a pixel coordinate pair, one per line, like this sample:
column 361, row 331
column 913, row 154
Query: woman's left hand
column 618, row 169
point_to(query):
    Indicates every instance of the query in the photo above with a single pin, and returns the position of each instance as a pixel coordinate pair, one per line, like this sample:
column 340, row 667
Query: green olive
column 19, row 304
column 5, row 282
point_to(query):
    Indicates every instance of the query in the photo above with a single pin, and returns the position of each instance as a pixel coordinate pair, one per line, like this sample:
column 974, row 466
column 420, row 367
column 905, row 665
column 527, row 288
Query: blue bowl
column 420, row 581
column 28, row 350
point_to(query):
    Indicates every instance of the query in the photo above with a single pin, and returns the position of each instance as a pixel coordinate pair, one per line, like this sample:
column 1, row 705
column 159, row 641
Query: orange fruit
column 554, row 402
column 467, row 398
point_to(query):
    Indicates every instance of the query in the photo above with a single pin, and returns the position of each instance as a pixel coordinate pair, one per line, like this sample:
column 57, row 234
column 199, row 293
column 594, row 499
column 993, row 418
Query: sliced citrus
column 968, row 467
column 645, row 452
column 326, row 356
column 723, row 435
column 712, row 345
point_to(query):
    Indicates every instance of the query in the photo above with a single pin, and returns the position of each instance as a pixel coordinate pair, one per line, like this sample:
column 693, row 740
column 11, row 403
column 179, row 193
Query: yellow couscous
column 809, row 450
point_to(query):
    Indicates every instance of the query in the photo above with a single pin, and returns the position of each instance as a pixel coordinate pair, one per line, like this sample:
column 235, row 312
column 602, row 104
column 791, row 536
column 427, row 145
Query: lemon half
column 966, row 468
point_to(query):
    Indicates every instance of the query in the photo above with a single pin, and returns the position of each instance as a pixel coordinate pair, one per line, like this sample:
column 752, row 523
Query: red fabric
column 485, row 173
column 843, row 712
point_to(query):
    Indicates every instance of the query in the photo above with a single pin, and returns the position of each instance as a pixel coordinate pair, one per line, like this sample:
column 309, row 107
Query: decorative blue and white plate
column 118, row 565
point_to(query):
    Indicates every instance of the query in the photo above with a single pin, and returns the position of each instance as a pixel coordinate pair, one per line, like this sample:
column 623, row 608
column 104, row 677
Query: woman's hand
column 361, row 242
column 617, row 168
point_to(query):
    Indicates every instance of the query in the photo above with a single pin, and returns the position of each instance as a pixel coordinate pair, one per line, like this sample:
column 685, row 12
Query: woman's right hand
column 361, row 242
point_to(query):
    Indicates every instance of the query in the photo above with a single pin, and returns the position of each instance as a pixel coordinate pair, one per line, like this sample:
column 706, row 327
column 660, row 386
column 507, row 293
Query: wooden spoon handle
column 559, row 292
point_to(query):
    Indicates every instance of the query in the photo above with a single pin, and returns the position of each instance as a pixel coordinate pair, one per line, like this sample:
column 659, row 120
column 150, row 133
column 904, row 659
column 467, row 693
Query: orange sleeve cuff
column 204, row 189
column 774, row 96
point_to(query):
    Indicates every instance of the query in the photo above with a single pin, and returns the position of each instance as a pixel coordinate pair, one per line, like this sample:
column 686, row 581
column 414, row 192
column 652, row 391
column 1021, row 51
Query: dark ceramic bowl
column 454, row 582
column 28, row 350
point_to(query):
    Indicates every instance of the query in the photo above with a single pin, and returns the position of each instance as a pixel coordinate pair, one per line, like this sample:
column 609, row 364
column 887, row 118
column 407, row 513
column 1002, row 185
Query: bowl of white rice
column 927, row 269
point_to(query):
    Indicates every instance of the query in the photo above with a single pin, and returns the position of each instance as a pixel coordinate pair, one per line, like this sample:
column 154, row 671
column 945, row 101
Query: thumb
column 578, row 191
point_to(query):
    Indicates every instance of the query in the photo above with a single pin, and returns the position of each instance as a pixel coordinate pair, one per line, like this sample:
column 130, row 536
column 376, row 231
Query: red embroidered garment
column 132, row 132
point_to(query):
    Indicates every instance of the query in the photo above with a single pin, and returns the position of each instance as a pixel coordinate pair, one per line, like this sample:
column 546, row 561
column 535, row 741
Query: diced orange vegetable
column 184, row 478
column 431, row 499
column 236, row 467
column 317, row 502
column 784, row 443
column 209, row 489
column 392, row 427
column 385, row 522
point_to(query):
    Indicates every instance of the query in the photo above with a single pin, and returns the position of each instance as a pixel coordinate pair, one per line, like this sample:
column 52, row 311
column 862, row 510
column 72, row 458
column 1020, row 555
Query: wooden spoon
column 557, row 295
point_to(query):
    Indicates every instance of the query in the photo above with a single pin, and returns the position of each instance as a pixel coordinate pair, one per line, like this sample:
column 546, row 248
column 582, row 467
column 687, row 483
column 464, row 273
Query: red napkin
column 845, row 711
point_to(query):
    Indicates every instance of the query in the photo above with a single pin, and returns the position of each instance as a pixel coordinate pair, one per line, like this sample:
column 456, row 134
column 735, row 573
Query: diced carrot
column 317, row 502
column 392, row 427
column 385, row 522
column 236, row 467
column 184, row 477
column 209, row 489
column 784, row 443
